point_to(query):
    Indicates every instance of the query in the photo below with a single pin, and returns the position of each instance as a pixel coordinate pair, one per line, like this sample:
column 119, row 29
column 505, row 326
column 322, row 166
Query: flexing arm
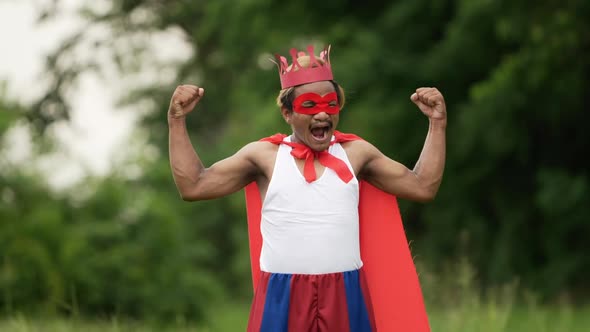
column 421, row 183
column 193, row 180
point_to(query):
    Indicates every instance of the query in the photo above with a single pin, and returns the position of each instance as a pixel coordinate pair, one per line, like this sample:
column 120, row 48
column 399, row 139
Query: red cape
column 394, row 288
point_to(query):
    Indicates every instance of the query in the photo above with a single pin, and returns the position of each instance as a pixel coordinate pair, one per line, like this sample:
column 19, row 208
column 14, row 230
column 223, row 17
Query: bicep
column 226, row 176
column 392, row 177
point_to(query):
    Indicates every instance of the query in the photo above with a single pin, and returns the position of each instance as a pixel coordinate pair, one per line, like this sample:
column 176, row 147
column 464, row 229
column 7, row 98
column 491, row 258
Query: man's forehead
column 321, row 88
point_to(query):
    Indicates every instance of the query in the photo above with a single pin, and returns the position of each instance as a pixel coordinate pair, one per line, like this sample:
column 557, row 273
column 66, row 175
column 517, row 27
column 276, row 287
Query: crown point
column 312, row 70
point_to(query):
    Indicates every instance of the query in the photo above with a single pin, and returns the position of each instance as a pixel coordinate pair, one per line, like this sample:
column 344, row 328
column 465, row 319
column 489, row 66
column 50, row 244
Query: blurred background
column 94, row 236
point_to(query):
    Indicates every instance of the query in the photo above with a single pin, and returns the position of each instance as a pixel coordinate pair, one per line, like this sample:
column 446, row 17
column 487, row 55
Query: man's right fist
column 184, row 99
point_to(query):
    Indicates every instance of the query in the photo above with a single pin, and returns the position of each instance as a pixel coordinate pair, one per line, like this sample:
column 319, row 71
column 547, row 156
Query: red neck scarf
column 302, row 151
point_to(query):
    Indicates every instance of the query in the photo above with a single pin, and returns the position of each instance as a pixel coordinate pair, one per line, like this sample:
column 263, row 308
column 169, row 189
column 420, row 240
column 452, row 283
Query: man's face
column 315, row 114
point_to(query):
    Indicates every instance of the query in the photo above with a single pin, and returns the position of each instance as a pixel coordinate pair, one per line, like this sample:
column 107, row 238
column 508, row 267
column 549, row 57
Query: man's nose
column 321, row 116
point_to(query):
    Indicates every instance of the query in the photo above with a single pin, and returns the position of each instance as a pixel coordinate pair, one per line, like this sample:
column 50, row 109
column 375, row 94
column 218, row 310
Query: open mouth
column 320, row 131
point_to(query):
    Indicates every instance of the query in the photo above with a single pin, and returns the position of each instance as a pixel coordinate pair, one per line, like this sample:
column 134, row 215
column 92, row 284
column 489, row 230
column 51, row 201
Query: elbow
column 190, row 195
column 426, row 196
column 428, row 190
column 188, row 198
column 190, row 190
column 195, row 194
column 425, row 199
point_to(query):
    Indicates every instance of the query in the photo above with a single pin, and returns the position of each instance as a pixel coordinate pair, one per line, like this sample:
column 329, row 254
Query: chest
column 268, row 164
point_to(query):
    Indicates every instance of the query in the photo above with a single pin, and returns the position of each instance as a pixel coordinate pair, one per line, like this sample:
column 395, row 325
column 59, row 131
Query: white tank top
column 309, row 228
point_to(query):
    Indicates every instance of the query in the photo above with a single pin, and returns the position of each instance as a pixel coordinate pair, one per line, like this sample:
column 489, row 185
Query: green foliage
column 514, row 195
column 136, row 257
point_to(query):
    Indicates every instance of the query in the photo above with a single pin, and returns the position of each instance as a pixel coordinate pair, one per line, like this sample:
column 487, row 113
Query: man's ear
column 287, row 113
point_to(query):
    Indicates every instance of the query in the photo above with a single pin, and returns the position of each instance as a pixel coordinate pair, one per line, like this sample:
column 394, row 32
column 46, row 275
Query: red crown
column 297, row 74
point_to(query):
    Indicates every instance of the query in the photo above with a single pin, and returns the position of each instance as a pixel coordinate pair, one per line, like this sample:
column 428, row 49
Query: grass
column 480, row 318
column 453, row 303
column 498, row 319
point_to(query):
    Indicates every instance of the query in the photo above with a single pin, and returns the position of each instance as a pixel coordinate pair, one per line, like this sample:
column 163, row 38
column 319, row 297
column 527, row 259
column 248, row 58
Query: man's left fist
column 431, row 102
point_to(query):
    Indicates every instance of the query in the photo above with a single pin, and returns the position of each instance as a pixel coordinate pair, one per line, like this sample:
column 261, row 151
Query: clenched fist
column 184, row 100
column 431, row 102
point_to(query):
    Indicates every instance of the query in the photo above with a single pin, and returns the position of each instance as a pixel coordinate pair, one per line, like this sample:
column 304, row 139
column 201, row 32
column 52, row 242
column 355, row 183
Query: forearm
column 430, row 166
column 184, row 161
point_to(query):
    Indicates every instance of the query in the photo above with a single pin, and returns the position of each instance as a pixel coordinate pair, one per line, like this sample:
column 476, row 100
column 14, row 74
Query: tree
column 513, row 197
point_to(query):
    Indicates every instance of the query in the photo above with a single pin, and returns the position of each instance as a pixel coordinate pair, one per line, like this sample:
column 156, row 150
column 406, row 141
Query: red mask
column 317, row 103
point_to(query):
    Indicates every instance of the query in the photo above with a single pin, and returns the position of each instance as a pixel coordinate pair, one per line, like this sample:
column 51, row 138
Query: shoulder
column 258, row 147
column 360, row 148
column 353, row 142
column 360, row 154
column 259, row 153
column 262, row 155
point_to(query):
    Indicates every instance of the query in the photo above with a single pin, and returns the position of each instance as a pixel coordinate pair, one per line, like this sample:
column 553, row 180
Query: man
column 312, row 276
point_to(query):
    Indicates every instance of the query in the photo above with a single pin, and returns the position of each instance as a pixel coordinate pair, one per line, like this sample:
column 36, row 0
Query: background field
column 504, row 247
